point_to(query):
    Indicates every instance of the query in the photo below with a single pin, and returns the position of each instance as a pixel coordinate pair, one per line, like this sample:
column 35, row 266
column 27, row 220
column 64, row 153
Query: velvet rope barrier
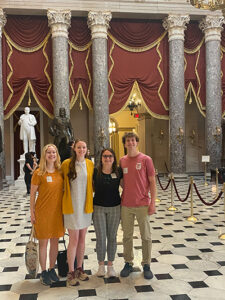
column 188, row 193
column 203, row 201
column 164, row 189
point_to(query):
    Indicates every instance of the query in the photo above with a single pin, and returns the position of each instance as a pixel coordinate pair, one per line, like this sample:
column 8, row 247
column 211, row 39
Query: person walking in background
column 29, row 168
column 46, row 212
column 138, row 180
column 77, row 207
column 106, row 216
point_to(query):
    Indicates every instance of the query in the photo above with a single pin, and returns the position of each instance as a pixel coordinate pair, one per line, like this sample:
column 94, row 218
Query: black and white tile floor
column 188, row 260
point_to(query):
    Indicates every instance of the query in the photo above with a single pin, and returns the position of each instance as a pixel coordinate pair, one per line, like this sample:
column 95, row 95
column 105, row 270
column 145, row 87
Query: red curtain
column 80, row 61
column 27, row 62
column 195, row 64
column 138, row 52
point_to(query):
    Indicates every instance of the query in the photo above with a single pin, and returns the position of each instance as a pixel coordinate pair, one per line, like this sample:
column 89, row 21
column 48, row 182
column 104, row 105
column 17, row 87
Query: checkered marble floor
column 188, row 260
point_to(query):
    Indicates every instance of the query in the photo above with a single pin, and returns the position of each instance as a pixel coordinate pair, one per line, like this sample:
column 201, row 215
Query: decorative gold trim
column 137, row 49
column 110, row 70
column 71, row 72
column 186, row 50
column 197, row 99
column 135, row 88
column 28, row 85
column 80, row 48
column 9, row 76
column 46, row 74
column 185, row 64
column 26, row 50
column 87, row 100
column 162, row 81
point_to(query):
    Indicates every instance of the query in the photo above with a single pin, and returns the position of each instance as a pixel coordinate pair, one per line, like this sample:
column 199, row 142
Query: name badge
column 138, row 166
column 113, row 175
column 125, row 170
column 49, row 178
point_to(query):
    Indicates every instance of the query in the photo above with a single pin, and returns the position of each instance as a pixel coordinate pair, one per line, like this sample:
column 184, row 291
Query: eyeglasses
column 109, row 156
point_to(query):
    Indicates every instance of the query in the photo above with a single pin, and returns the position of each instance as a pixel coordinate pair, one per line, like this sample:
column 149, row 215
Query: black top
column 107, row 188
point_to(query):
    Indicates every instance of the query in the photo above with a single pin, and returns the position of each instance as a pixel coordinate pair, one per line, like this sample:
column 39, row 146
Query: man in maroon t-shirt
column 138, row 180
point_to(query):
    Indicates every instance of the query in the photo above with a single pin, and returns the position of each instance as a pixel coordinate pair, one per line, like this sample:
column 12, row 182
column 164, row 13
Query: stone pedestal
column 20, row 180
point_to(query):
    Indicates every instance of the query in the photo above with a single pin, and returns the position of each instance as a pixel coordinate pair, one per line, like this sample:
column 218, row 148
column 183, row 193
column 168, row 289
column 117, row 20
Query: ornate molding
column 98, row 22
column 212, row 27
column 176, row 24
column 59, row 21
column 2, row 20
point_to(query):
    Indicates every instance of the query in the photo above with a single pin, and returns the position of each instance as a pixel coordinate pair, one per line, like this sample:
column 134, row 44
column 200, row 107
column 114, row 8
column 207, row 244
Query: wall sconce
column 161, row 136
column 217, row 133
column 192, row 136
column 112, row 127
column 180, row 136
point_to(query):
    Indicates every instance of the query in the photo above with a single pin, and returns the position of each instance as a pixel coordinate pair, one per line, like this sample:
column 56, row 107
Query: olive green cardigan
column 67, row 206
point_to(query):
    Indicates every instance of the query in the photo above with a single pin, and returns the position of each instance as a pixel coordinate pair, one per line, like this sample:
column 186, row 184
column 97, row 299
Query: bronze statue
column 62, row 131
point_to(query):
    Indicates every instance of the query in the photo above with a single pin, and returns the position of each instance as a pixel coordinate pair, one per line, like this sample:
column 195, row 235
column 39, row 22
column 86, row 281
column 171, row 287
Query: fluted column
column 176, row 24
column 2, row 155
column 212, row 26
column 98, row 22
column 59, row 21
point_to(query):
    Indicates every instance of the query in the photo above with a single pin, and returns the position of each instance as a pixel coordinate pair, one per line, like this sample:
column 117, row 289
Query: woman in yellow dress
column 46, row 211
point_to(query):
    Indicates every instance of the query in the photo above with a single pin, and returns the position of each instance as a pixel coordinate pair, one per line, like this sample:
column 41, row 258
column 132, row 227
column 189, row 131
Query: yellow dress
column 48, row 206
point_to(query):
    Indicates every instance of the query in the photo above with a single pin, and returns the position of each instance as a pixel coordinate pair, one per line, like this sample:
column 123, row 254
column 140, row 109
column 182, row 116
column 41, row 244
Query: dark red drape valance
column 27, row 63
column 79, row 34
column 136, row 33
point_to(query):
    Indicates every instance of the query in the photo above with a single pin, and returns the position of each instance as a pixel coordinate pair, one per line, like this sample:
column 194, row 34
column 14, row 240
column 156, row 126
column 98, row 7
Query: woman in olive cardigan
column 77, row 207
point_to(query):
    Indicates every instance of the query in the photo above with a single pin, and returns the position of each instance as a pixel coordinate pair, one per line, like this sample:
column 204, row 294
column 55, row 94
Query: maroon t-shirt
column 136, row 186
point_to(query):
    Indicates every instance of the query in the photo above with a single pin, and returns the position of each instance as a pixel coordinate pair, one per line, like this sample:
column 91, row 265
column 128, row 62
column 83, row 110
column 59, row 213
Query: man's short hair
column 130, row 135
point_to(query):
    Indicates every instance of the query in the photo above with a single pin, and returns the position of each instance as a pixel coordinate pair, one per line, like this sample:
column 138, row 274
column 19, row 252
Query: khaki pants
column 128, row 215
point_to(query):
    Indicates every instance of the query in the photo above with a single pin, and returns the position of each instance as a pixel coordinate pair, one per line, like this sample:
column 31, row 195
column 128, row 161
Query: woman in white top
column 77, row 207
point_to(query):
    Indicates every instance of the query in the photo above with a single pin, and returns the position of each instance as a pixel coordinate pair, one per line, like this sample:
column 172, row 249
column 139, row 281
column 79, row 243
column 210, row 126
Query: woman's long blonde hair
column 43, row 165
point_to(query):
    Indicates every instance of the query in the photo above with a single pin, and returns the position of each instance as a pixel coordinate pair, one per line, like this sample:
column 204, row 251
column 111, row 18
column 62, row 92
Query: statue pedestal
column 20, row 180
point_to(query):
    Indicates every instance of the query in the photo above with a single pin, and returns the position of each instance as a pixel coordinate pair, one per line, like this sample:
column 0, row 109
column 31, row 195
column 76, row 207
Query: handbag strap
column 32, row 234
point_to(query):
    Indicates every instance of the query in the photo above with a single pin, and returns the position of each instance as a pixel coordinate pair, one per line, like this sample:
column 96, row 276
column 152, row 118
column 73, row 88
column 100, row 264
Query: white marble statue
column 27, row 122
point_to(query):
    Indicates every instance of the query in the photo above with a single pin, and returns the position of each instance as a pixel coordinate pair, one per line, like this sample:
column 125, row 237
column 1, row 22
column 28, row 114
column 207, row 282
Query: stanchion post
column 172, row 208
column 157, row 199
column 205, row 176
column 192, row 218
column 222, row 236
column 217, row 172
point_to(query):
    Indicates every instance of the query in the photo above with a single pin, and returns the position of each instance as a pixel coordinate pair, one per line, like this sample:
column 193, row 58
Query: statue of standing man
column 27, row 122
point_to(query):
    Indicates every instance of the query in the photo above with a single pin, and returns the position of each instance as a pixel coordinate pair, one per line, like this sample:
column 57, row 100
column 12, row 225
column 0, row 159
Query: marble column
column 212, row 27
column 59, row 22
column 176, row 24
column 2, row 154
column 98, row 22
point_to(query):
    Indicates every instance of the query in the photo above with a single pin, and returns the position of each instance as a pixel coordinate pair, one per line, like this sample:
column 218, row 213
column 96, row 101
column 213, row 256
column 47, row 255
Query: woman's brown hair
column 72, row 169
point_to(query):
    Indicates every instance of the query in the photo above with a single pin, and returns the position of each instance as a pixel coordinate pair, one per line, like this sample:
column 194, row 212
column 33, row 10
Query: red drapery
column 138, row 57
column 80, row 62
column 27, row 60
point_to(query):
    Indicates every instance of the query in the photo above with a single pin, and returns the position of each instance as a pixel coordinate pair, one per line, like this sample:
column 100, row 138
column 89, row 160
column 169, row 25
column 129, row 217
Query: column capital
column 212, row 27
column 59, row 21
column 176, row 24
column 2, row 20
column 98, row 22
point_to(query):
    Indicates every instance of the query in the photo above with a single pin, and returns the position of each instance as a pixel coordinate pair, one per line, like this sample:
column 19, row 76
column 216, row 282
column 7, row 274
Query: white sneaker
column 101, row 271
column 111, row 272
